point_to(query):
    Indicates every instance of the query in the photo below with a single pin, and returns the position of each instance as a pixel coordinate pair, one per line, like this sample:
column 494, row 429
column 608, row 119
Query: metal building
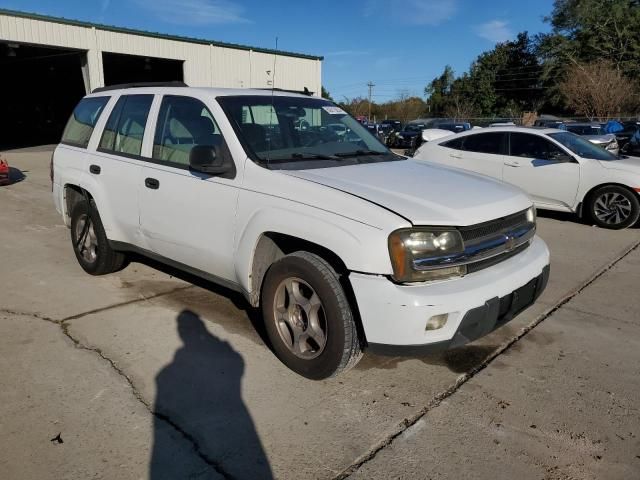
column 47, row 64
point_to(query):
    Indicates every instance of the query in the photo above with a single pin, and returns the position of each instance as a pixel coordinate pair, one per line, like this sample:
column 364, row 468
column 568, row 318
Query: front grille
column 494, row 226
column 482, row 264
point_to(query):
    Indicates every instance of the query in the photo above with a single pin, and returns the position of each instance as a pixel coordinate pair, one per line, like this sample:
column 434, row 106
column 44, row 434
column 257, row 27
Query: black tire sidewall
column 337, row 318
column 103, row 251
column 635, row 207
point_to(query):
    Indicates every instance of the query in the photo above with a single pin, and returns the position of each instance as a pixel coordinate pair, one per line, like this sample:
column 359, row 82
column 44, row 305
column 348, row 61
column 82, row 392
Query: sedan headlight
column 400, row 137
column 410, row 247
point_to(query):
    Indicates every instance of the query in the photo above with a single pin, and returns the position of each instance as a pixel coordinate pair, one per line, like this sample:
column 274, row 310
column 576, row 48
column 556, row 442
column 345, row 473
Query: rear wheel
column 90, row 243
column 614, row 207
column 308, row 318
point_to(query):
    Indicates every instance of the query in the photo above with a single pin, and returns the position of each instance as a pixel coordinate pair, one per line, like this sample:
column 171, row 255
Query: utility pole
column 370, row 85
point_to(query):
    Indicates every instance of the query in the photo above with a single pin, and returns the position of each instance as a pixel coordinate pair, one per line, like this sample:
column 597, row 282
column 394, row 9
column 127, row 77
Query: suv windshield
column 582, row 147
column 301, row 132
column 414, row 127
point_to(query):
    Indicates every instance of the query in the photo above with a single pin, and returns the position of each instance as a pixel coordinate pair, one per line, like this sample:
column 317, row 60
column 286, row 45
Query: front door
column 187, row 216
column 533, row 165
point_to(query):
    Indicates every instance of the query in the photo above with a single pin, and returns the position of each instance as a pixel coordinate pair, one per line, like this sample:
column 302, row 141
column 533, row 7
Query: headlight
column 532, row 214
column 408, row 247
column 400, row 137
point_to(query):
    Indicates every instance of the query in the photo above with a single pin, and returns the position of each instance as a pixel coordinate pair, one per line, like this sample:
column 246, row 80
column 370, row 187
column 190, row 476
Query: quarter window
column 533, row 146
column 83, row 120
column 183, row 123
column 456, row 143
column 124, row 130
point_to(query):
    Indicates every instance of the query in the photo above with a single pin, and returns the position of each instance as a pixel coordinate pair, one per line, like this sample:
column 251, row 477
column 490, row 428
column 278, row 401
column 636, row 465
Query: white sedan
column 558, row 169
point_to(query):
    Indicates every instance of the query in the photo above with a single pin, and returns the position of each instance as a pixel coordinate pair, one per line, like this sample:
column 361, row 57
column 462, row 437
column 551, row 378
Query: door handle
column 512, row 164
column 95, row 169
column 455, row 155
column 151, row 183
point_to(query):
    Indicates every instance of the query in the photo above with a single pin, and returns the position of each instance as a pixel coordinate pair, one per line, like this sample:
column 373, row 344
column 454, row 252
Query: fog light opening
column 437, row 321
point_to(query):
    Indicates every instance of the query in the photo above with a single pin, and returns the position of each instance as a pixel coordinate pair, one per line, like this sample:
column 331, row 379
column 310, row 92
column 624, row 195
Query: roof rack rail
column 301, row 92
column 139, row 85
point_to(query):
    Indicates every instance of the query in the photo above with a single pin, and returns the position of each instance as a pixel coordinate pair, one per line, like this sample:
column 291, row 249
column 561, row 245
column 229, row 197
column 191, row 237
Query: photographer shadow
column 200, row 393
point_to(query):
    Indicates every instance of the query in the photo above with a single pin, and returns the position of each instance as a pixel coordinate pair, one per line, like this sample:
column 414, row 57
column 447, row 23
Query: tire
column 310, row 319
column 614, row 207
column 94, row 254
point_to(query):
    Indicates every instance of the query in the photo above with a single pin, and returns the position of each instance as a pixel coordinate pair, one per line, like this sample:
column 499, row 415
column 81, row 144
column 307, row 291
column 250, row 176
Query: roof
column 210, row 91
column 144, row 33
column 512, row 128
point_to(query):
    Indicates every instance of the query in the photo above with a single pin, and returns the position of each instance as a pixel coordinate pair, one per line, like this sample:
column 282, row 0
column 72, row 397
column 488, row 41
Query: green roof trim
column 144, row 33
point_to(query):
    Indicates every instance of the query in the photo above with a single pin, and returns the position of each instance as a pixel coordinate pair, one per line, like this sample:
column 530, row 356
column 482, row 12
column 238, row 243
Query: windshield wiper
column 357, row 153
column 304, row 156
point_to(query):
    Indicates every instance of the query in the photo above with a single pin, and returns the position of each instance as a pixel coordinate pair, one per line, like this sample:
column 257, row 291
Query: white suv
column 560, row 170
column 342, row 244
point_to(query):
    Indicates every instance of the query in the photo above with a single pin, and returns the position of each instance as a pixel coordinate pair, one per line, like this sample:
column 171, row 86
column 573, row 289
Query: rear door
column 533, row 165
column 187, row 216
column 116, row 165
column 480, row 152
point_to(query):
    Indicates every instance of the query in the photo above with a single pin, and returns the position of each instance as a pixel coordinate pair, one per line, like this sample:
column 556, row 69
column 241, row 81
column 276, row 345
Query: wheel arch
column 72, row 195
column 272, row 246
column 587, row 196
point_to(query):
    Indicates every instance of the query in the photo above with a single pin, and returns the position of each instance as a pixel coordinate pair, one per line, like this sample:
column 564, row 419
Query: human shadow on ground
column 200, row 393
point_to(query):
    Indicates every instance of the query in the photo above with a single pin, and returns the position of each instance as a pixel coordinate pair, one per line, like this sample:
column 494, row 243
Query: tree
column 438, row 90
column 588, row 30
column 597, row 90
column 325, row 94
column 357, row 106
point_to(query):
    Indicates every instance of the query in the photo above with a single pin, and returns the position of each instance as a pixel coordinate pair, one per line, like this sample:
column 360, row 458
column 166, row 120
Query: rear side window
column 124, row 130
column 485, row 143
column 83, row 120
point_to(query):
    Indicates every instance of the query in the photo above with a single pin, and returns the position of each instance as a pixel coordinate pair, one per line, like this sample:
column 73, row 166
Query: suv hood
column 599, row 139
column 423, row 193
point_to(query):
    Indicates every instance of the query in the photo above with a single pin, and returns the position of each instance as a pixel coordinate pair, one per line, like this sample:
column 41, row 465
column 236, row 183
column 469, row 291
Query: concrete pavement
column 208, row 398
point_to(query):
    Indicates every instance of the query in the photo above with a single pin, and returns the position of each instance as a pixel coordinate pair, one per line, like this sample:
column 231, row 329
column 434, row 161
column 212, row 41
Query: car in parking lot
column 594, row 132
column 342, row 244
column 558, row 169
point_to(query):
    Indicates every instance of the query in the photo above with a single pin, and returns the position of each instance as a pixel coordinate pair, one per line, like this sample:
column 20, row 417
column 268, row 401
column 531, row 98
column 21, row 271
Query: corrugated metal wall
column 204, row 65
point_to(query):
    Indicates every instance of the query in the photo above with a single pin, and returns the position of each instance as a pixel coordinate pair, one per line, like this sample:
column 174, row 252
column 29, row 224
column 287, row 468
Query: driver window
column 533, row 146
column 183, row 123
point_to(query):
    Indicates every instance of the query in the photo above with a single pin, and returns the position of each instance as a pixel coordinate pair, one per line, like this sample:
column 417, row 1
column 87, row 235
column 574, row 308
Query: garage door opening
column 119, row 68
column 39, row 87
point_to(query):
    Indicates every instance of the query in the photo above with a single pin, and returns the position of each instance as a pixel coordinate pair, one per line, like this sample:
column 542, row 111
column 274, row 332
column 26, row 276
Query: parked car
column 452, row 126
column 343, row 246
column 629, row 138
column 406, row 137
column 560, row 170
column 394, row 124
column 595, row 133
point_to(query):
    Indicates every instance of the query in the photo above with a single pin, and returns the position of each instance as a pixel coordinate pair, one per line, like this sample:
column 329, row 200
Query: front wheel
column 308, row 317
column 614, row 207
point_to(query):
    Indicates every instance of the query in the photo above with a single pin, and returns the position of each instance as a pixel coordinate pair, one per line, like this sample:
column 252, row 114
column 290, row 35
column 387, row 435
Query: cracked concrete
column 209, row 400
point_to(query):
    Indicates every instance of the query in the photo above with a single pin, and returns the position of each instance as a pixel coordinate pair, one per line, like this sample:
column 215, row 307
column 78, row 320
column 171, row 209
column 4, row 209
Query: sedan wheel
column 614, row 207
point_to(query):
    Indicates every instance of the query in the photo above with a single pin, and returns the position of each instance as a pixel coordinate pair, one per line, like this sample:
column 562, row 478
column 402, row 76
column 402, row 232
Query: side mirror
column 206, row 159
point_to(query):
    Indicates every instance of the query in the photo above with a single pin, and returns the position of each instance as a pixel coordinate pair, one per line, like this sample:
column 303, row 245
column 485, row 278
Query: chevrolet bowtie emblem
column 509, row 242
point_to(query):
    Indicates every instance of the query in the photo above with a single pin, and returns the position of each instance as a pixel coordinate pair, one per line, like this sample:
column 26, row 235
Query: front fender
column 361, row 247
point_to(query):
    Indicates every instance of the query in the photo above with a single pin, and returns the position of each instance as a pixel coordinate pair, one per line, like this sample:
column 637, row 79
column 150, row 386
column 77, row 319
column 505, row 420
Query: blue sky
column 399, row 45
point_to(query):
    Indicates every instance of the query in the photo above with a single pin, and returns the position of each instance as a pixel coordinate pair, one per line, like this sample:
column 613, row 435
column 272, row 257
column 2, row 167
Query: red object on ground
column 4, row 172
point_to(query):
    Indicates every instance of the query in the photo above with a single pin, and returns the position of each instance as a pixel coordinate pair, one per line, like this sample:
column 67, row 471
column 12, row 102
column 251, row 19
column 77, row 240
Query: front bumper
column 396, row 315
